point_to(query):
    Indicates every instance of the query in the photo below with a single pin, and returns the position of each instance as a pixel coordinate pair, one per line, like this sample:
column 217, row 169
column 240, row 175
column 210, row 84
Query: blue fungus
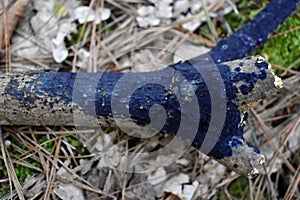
column 246, row 89
column 235, row 142
column 98, row 100
column 45, row 86
column 247, row 39
column 255, row 149
column 262, row 65
column 16, row 93
column 14, row 82
column 262, row 75
column 231, row 126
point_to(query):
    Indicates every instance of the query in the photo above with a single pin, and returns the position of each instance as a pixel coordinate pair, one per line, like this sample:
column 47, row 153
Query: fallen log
column 199, row 102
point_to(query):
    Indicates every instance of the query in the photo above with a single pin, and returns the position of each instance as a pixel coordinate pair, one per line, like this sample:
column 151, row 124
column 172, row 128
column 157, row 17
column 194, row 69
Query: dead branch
column 193, row 97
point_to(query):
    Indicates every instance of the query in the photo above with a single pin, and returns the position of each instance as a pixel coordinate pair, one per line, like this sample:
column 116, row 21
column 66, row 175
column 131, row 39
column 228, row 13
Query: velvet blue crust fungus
column 13, row 91
column 48, row 98
column 241, row 83
column 246, row 89
column 149, row 95
column 46, row 85
column 232, row 127
column 56, row 90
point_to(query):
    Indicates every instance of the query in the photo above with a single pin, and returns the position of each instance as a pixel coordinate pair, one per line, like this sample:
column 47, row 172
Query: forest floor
column 140, row 36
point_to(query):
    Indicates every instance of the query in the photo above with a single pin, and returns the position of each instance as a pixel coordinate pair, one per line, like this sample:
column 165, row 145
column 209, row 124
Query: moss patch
column 247, row 10
column 284, row 47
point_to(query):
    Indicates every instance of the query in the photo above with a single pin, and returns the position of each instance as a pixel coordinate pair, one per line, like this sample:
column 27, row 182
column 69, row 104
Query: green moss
column 75, row 37
column 36, row 164
column 247, row 9
column 74, row 142
column 284, row 49
column 19, row 144
column 3, row 171
column 239, row 187
column 22, row 172
column 48, row 145
column 4, row 189
column 222, row 196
